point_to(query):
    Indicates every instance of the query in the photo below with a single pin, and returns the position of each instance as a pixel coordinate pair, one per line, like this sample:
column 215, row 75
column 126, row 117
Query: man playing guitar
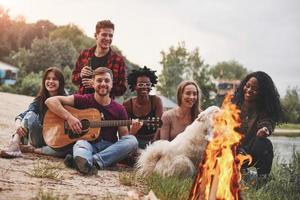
column 106, row 149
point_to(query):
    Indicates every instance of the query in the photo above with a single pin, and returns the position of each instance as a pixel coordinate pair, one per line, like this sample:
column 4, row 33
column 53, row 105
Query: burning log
column 219, row 174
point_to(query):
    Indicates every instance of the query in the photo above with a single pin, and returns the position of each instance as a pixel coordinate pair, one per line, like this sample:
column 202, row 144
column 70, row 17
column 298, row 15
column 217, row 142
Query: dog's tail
column 148, row 159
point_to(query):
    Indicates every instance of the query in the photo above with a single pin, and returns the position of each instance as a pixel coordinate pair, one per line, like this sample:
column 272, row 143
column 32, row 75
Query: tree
column 40, row 29
column 179, row 64
column 45, row 53
column 72, row 33
column 291, row 105
column 200, row 73
column 30, row 84
column 70, row 87
column 228, row 70
column 5, row 24
column 173, row 63
column 20, row 59
column 65, row 51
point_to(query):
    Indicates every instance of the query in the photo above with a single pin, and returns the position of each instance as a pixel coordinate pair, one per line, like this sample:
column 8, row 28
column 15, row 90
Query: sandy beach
column 17, row 179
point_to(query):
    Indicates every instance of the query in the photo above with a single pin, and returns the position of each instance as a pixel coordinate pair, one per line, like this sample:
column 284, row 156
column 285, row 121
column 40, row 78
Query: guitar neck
column 110, row 123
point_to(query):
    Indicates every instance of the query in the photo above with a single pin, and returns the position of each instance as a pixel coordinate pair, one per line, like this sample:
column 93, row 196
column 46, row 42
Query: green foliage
column 173, row 63
column 44, row 195
column 289, row 126
column 291, row 105
column 199, row 72
column 70, row 87
column 20, row 58
column 8, row 88
column 228, row 70
column 72, row 33
column 16, row 33
column 179, row 64
column 43, row 55
column 169, row 187
column 46, row 170
column 66, row 54
column 129, row 178
column 283, row 184
column 30, row 84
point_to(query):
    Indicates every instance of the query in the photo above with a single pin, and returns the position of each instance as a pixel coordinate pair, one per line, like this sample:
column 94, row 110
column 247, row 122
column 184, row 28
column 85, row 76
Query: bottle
column 89, row 90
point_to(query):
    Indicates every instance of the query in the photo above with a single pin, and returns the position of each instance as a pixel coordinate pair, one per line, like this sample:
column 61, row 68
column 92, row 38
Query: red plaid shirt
column 114, row 62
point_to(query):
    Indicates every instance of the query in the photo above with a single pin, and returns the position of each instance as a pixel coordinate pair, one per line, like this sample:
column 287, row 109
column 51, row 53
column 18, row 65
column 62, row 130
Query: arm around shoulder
column 56, row 103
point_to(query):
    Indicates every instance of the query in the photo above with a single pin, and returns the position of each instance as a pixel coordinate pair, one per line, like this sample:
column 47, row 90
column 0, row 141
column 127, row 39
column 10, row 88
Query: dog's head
column 206, row 117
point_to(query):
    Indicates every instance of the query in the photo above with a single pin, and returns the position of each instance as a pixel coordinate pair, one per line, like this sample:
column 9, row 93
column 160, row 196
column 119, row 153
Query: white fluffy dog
column 179, row 156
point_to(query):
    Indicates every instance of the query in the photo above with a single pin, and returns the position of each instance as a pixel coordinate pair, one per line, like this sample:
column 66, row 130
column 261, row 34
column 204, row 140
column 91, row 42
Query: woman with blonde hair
column 178, row 118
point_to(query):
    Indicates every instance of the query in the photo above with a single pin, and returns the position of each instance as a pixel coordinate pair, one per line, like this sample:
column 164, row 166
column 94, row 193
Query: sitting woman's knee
column 30, row 120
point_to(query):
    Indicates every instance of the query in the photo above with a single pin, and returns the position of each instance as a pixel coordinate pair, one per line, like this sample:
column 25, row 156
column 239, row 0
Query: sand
column 17, row 181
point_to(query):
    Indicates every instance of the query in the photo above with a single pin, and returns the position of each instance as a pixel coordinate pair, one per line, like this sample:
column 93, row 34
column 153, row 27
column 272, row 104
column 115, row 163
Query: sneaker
column 27, row 148
column 69, row 161
column 249, row 177
column 12, row 151
column 84, row 167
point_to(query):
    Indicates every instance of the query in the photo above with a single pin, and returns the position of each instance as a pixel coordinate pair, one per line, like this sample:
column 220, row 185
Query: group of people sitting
column 100, row 74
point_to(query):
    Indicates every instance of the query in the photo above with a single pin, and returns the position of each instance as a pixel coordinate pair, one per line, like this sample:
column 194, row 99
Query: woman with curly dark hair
column 259, row 102
column 144, row 105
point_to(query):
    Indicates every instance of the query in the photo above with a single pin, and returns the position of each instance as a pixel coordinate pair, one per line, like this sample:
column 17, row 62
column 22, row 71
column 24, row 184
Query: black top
column 94, row 63
column 144, row 129
column 99, row 61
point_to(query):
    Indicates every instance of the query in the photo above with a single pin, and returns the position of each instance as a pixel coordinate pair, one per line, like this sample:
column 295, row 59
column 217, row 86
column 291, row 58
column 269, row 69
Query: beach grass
column 289, row 126
column 283, row 184
column 46, row 170
column 45, row 195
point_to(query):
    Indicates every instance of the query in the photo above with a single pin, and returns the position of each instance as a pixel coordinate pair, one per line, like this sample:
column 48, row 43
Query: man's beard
column 103, row 94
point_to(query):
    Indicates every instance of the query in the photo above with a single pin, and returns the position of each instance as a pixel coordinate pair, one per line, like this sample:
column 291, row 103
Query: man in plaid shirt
column 100, row 55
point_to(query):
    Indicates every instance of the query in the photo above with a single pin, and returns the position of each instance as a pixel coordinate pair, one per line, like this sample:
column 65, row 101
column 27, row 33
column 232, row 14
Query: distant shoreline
column 286, row 132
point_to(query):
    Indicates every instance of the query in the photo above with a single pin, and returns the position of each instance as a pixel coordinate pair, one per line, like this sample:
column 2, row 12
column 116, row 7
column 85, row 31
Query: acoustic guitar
column 58, row 135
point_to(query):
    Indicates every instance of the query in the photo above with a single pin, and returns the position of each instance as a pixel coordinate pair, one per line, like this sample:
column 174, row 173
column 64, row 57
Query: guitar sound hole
column 85, row 128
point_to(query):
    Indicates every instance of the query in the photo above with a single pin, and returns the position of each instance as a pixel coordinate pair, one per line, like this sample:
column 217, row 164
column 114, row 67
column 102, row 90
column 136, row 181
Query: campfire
column 219, row 174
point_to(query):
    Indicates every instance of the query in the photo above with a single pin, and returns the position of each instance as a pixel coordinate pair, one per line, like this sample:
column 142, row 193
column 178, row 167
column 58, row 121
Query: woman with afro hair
column 259, row 102
column 143, row 106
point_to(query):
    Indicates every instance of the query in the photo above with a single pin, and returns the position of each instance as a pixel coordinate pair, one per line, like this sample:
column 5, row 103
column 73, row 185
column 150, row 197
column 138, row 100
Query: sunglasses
column 143, row 85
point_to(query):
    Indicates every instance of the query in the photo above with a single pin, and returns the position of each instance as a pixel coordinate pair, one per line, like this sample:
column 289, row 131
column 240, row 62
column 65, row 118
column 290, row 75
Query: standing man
column 107, row 149
column 100, row 55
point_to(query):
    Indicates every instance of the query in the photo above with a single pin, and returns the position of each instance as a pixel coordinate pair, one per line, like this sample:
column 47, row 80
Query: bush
column 283, row 185
column 30, row 84
column 8, row 89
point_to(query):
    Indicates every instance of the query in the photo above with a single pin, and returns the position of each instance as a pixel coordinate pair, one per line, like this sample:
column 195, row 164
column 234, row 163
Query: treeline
column 33, row 47
column 180, row 64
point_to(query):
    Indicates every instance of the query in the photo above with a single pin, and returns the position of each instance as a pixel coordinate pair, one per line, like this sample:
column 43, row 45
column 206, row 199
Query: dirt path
column 17, row 183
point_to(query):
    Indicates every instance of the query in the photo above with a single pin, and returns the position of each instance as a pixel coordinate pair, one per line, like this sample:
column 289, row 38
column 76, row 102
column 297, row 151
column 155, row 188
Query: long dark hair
column 268, row 99
column 195, row 110
column 43, row 93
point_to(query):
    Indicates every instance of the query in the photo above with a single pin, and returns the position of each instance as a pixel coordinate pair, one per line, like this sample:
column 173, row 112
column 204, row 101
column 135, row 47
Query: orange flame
column 219, row 173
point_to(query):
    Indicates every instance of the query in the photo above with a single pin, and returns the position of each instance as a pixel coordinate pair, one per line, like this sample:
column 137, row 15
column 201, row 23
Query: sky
column 260, row 34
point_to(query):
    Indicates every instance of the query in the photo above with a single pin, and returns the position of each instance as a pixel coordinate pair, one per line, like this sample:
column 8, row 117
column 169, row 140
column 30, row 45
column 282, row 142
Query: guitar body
column 58, row 136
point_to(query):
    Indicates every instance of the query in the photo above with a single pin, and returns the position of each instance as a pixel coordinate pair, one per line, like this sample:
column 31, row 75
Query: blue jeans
column 32, row 123
column 105, row 153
